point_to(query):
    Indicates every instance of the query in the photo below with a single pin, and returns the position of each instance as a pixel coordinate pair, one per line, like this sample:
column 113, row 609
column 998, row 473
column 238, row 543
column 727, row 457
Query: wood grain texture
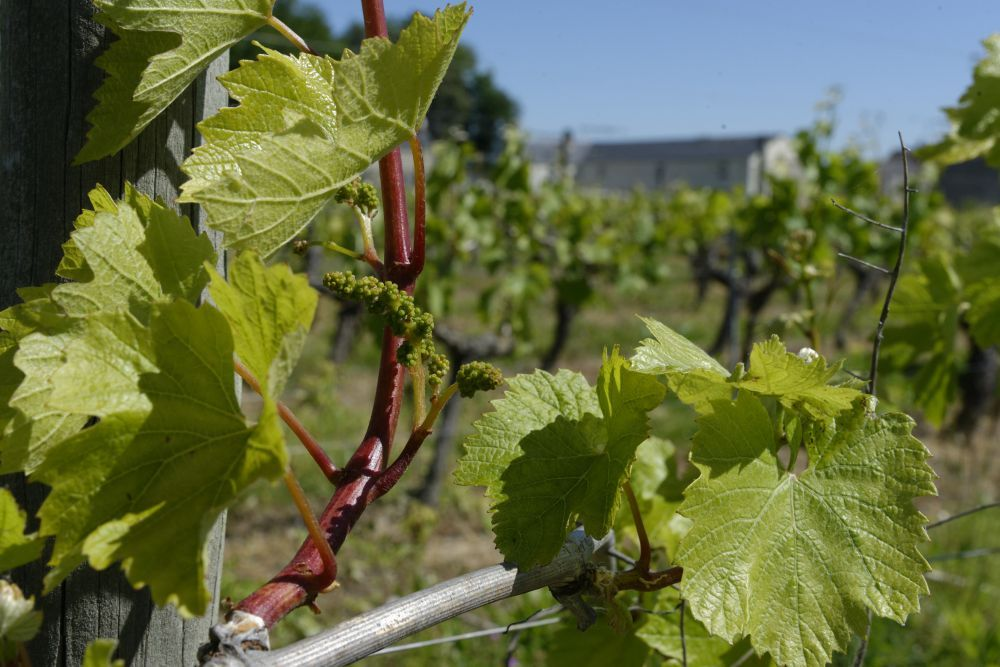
column 47, row 80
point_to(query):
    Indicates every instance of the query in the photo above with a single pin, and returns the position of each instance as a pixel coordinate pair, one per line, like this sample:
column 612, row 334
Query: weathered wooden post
column 47, row 79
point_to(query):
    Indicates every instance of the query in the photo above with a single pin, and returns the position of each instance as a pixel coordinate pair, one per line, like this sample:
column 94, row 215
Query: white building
column 712, row 163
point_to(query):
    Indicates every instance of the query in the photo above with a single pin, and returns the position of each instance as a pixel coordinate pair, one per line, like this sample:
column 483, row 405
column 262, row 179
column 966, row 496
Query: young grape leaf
column 10, row 378
column 530, row 403
column 145, row 487
column 16, row 548
column 73, row 265
column 88, row 336
column 691, row 373
column 796, row 383
column 136, row 257
column 270, row 311
column 669, row 351
column 921, row 334
column 699, row 388
column 574, row 469
column 99, row 654
column 307, row 125
column 655, row 467
column 981, row 277
column 662, row 633
column 19, row 622
column 820, row 547
column 35, row 427
column 162, row 46
column 699, row 380
column 975, row 122
column 599, row 646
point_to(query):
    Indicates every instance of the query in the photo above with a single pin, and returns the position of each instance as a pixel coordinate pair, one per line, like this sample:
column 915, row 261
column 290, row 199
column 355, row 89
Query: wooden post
column 47, row 79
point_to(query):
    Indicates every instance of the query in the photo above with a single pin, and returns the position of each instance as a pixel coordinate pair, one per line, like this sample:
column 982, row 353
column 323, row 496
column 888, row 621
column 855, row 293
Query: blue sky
column 613, row 71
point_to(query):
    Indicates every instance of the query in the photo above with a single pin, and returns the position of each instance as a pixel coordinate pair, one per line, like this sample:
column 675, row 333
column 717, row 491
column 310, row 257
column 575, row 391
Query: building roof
column 681, row 149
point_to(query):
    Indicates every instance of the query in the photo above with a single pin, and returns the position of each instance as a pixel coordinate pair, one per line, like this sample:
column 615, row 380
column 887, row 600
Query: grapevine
column 794, row 524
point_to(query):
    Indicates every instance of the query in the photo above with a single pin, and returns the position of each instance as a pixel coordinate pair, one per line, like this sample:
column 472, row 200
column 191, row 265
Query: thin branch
column 743, row 658
column 894, row 276
column 515, row 639
column 330, row 471
column 867, row 265
column 898, row 230
column 289, row 34
column 961, row 514
column 859, row 657
column 329, row 573
column 614, row 553
column 538, row 613
column 645, row 552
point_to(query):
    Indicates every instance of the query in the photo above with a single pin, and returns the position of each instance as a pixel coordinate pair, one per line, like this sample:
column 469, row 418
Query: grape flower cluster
column 405, row 319
column 478, row 376
column 360, row 195
column 399, row 312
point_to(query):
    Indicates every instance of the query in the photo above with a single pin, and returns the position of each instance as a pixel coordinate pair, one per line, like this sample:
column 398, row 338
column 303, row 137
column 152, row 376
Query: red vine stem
column 420, row 204
column 290, row 588
column 388, row 478
column 312, row 446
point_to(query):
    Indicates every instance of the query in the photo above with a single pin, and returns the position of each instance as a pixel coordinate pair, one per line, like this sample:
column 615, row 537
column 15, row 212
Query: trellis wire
column 490, row 632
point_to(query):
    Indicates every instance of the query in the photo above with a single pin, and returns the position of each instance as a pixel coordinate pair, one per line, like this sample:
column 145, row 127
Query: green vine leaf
column 982, row 288
column 82, row 345
column 308, row 125
column 126, row 345
column 669, row 351
column 10, row 378
column 270, row 311
column 99, row 654
column 797, row 383
column 662, row 633
column 573, row 468
column 975, row 122
column 141, row 253
column 820, row 547
column 599, row 646
column 16, row 548
column 691, row 373
column 19, row 622
column 925, row 323
column 145, row 487
column 162, row 46
column 33, row 427
column 530, row 403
